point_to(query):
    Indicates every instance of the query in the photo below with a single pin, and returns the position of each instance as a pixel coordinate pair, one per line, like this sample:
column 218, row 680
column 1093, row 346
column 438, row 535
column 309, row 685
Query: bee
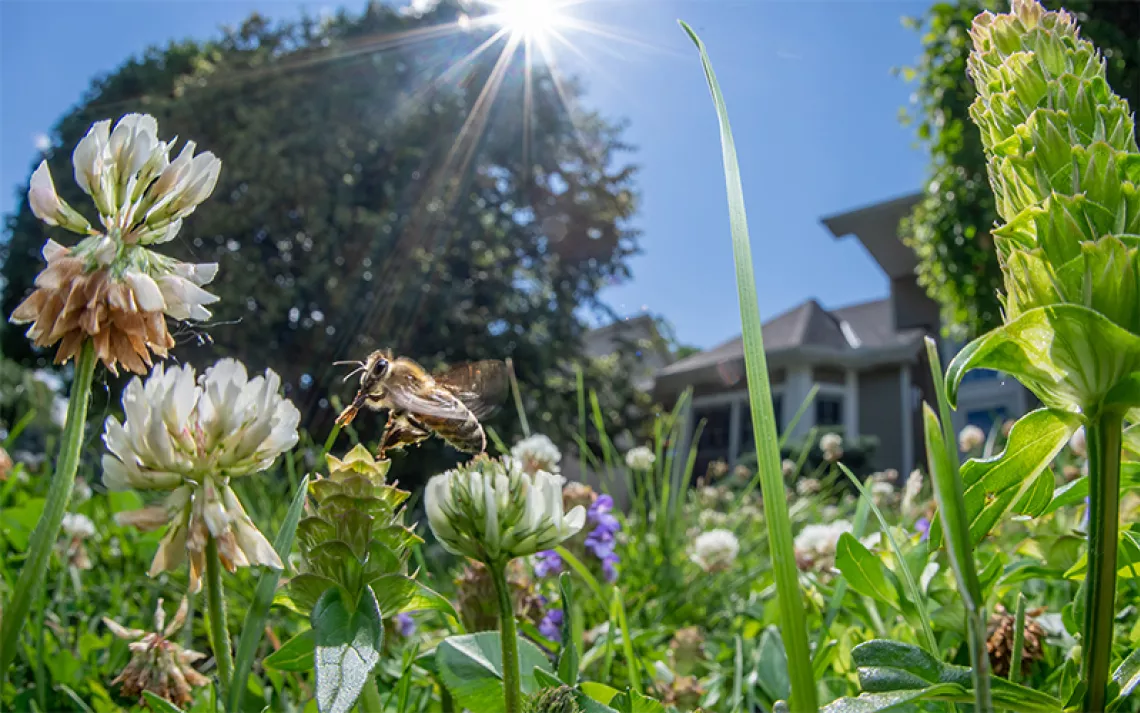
column 449, row 404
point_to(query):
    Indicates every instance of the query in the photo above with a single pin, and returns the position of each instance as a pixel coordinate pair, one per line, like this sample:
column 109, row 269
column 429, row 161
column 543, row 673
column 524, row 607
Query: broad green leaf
column 542, row 679
column 1127, row 675
column 1070, row 356
column 471, row 668
column 772, row 664
column 863, row 571
column 634, row 702
column 160, row 704
column 400, row 594
column 915, row 661
column 894, row 700
column 348, row 644
column 305, row 589
column 1078, row 490
column 600, row 692
column 568, row 654
column 1018, row 475
column 296, row 654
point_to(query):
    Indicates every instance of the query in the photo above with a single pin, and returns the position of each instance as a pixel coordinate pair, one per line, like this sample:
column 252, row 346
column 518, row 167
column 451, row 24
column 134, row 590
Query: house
column 642, row 334
column 868, row 361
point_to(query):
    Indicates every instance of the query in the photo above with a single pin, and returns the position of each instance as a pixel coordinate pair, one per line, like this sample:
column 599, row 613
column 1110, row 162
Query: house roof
column 854, row 335
column 877, row 227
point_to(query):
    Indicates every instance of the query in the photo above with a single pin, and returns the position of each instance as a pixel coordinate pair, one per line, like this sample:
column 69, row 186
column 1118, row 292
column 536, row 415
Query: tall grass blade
column 254, row 624
column 792, row 616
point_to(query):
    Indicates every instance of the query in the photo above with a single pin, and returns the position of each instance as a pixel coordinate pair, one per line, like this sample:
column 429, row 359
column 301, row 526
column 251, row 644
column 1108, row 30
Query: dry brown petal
column 70, row 305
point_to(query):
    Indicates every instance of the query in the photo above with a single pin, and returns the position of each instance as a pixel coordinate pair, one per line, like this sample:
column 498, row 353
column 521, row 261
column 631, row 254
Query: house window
column 748, row 436
column 980, row 375
column 828, row 410
column 987, row 418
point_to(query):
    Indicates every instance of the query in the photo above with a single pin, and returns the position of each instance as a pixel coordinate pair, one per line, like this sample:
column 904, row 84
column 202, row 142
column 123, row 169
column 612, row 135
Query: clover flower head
column 832, row 446
column 640, row 458
column 537, row 452
column 492, row 510
column 189, row 437
column 970, row 438
column 715, row 550
column 111, row 287
column 158, row 664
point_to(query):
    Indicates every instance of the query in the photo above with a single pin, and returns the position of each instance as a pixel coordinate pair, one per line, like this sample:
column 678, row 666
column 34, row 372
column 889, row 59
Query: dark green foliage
column 354, row 211
column 950, row 227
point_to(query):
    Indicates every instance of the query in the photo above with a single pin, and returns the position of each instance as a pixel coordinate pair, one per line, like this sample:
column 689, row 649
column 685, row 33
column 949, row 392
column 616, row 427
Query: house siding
column 880, row 415
column 912, row 307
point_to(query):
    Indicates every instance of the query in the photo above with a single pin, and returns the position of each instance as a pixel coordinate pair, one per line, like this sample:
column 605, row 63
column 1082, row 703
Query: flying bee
column 419, row 404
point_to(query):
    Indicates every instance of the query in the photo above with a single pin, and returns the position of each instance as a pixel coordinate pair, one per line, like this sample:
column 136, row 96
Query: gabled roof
column 877, row 227
column 857, row 334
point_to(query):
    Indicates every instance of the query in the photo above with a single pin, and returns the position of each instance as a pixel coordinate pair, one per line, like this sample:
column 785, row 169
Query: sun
column 529, row 19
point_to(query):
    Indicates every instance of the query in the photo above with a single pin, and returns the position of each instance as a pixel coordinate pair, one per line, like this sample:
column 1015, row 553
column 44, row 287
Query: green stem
column 216, row 602
column 1104, row 443
column 59, row 493
column 509, row 639
column 1018, row 640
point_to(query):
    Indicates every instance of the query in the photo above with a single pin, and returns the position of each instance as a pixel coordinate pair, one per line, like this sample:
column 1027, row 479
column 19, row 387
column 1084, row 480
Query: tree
column 370, row 197
column 949, row 227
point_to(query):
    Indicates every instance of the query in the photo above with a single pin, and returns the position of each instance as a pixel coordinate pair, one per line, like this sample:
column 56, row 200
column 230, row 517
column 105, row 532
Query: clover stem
column 509, row 639
column 1104, row 443
column 34, row 568
column 216, row 602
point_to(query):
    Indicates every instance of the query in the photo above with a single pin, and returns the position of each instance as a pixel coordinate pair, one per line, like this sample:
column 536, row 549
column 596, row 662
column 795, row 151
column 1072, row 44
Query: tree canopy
column 949, row 227
column 373, row 195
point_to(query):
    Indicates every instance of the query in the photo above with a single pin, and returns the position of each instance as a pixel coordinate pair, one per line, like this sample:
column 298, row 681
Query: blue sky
column 808, row 84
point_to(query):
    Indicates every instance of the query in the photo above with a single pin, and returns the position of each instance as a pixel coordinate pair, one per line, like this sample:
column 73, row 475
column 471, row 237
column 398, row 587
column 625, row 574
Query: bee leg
column 402, row 431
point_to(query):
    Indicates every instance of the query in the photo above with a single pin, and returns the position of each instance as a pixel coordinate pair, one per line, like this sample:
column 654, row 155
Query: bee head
column 375, row 369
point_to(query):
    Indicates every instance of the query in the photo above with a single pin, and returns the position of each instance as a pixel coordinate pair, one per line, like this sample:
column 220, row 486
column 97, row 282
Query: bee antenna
column 352, row 373
column 348, row 363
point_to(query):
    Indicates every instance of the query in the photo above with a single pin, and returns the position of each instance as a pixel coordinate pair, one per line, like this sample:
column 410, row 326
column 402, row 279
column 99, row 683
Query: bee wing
column 404, row 395
column 480, row 385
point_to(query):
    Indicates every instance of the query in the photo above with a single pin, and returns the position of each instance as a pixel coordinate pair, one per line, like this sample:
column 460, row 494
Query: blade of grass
column 1018, row 639
column 791, row 427
column 862, row 510
column 789, row 596
column 518, row 398
column 254, row 624
column 949, row 494
column 632, row 665
column 583, row 572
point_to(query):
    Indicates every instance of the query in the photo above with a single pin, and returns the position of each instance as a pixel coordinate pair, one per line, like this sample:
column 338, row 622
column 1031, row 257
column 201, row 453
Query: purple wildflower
column 405, row 625
column 551, row 625
column 547, row 563
column 600, row 513
column 922, row 525
column 609, row 567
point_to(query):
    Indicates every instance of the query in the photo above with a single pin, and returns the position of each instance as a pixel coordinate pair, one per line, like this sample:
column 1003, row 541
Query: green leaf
column 772, row 665
column 542, row 679
column 1127, row 557
column 160, row 704
column 400, row 594
column 789, row 596
column 863, row 571
column 599, row 692
column 568, row 654
column 348, row 644
column 893, row 700
column 1127, row 675
column 296, row 654
column 634, row 702
column 1068, row 355
column 254, row 625
column 471, row 668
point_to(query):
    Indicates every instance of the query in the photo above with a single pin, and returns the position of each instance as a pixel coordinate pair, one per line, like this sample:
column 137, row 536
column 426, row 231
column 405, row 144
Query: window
column 828, row 410
column 713, row 444
column 748, row 436
column 980, row 375
column 985, row 419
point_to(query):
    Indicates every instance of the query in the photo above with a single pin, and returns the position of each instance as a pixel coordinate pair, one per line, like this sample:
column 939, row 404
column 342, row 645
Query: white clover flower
column 807, row 486
column 715, row 550
column 494, row 511
column 81, row 492
column 110, row 287
column 640, row 458
column 1078, row 444
column 815, row 544
column 78, row 526
column 537, row 452
column 788, row 468
column 970, row 438
column 832, row 446
column 190, row 437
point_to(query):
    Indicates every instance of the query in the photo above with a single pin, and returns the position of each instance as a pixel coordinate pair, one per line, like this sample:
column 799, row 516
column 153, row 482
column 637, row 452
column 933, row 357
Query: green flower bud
column 554, row 700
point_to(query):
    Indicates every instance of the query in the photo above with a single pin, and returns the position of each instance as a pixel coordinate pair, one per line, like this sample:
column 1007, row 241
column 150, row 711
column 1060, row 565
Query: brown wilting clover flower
column 157, row 663
column 111, row 287
column 1000, row 641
